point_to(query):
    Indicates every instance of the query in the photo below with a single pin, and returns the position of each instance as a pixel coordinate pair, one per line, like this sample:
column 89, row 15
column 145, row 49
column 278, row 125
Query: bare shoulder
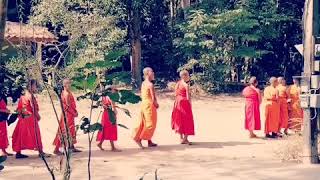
column 27, row 96
column 148, row 85
column 65, row 93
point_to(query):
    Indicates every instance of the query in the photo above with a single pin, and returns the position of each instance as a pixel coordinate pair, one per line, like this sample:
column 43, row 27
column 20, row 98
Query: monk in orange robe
column 252, row 108
column 4, row 143
column 272, row 109
column 149, row 105
column 283, row 101
column 26, row 135
column 109, row 131
column 295, row 110
column 70, row 110
column 182, row 116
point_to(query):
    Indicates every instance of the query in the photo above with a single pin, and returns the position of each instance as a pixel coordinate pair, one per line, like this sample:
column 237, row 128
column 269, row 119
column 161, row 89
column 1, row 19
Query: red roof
column 16, row 32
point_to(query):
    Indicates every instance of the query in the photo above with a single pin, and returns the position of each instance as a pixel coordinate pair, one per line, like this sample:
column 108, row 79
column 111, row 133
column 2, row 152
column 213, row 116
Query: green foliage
column 91, row 28
column 112, row 116
column 86, row 127
column 11, row 84
column 220, row 37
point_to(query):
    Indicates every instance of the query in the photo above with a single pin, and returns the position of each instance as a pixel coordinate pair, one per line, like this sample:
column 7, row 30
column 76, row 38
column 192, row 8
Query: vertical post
column 3, row 18
column 310, row 147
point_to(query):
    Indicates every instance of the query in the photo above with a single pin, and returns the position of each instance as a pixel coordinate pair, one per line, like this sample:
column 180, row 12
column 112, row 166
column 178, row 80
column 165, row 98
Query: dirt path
column 222, row 150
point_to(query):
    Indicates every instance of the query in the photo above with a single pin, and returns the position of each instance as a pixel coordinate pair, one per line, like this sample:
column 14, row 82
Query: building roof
column 16, row 32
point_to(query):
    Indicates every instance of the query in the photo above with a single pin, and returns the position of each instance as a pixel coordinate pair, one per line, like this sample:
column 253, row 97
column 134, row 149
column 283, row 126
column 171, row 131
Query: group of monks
column 282, row 107
column 27, row 136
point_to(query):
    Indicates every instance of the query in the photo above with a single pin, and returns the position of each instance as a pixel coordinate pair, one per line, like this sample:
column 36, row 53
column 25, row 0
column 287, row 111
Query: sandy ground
column 222, row 150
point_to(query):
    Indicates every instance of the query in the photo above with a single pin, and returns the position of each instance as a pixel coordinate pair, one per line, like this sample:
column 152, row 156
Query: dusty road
column 222, row 150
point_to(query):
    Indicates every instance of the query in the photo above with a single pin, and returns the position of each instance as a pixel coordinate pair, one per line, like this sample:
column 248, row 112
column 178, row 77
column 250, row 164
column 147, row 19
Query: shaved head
column 66, row 81
column 148, row 73
column 147, row 70
column 281, row 80
column 66, row 84
column 253, row 80
column 183, row 73
column 273, row 81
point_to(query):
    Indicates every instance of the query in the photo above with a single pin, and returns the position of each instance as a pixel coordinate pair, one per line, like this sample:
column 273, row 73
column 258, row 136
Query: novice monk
column 182, row 117
column 26, row 135
column 4, row 143
column 295, row 110
column 70, row 110
column 252, row 108
column 109, row 131
column 283, row 101
column 272, row 109
column 149, row 106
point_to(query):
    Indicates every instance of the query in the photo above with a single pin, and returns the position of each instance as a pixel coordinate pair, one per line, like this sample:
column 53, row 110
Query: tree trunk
column 135, row 36
column 3, row 18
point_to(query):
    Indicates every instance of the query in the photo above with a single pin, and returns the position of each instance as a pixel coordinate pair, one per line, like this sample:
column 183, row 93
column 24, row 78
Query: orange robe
column 26, row 134
column 3, row 128
column 148, row 117
column 70, row 109
column 295, row 110
column 283, row 100
column 272, row 110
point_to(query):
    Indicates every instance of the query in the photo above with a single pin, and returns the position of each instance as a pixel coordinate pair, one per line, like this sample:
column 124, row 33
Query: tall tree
column 134, row 14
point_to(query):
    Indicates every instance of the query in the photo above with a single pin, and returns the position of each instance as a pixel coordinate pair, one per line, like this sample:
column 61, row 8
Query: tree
column 245, row 37
column 134, row 8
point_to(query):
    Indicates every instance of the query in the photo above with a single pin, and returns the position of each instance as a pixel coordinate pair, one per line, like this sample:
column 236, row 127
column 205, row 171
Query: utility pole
column 310, row 131
column 3, row 18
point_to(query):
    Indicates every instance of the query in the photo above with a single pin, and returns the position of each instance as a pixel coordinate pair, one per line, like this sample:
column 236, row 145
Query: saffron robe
column 283, row 101
column 182, row 116
column 272, row 110
column 109, row 131
column 4, row 143
column 26, row 135
column 70, row 110
column 148, row 116
column 252, row 108
column 295, row 110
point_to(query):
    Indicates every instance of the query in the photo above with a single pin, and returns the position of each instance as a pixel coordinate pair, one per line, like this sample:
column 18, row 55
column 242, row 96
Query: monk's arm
column 176, row 89
column 114, row 108
column 153, row 96
column 259, row 95
column 188, row 92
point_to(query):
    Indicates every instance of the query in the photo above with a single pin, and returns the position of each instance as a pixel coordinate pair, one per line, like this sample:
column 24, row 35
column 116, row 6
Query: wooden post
column 310, row 147
column 3, row 18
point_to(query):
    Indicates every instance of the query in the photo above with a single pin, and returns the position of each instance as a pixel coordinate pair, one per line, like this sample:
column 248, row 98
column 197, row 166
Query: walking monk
column 109, row 131
column 295, row 110
column 252, row 108
column 182, row 117
column 26, row 135
column 283, row 101
column 149, row 106
column 70, row 111
column 4, row 143
column 272, row 109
